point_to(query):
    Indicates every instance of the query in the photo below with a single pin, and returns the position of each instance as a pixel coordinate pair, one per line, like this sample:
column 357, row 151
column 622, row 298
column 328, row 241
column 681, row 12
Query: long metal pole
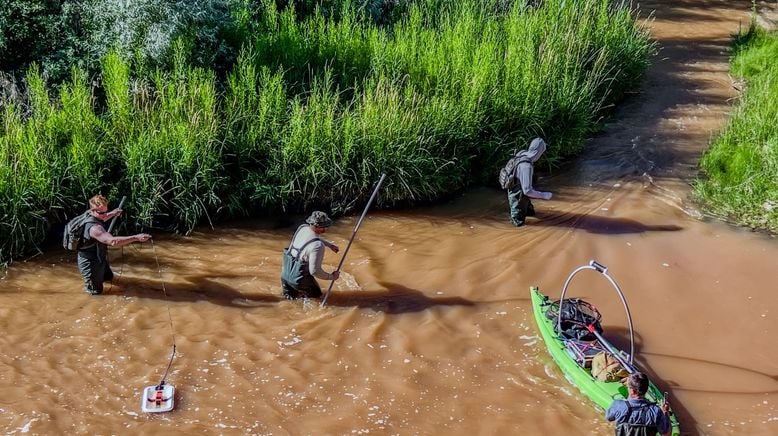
column 602, row 269
column 354, row 233
column 113, row 220
column 614, row 352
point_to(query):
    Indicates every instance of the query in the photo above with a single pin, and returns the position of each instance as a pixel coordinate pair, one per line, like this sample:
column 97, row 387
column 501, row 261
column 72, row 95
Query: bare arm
column 99, row 234
column 114, row 213
column 331, row 245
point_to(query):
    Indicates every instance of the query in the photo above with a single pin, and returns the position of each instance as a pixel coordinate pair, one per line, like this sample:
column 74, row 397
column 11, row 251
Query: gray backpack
column 73, row 236
column 508, row 172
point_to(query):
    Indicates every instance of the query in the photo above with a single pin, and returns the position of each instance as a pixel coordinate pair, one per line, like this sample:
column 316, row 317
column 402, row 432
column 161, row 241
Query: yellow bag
column 606, row 368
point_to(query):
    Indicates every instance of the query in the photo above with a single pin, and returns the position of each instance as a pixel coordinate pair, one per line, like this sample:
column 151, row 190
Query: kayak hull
column 601, row 393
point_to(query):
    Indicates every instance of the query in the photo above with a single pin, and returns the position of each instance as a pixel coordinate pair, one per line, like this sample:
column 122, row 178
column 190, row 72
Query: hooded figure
column 519, row 196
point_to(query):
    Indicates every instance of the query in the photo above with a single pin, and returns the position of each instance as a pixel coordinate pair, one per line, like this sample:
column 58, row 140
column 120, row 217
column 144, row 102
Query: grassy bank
column 740, row 179
column 313, row 111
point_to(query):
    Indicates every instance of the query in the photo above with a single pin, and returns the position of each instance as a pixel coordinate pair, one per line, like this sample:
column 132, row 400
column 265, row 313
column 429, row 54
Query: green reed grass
column 316, row 109
column 740, row 180
column 172, row 158
column 255, row 113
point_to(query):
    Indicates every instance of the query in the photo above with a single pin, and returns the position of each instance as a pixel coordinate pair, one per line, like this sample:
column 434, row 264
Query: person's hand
column 547, row 195
column 116, row 212
column 334, row 248
column 665, row 407
column 143, row 237
column 335, row 275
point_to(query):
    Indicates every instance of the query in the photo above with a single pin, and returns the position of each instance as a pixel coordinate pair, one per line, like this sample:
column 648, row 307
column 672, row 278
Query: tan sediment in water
column 430, row 330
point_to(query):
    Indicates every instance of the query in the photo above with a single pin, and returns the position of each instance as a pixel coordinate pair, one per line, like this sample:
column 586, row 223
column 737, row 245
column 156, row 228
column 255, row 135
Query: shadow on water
column 394, row 299
column 641, row 141
column 601, row 225
column 619, row 337
column 194, row 288
column 682, row 386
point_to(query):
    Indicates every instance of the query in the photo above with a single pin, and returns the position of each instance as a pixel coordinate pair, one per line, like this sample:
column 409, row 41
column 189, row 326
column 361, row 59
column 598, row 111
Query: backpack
column 73, row 236
column 292, row 267
column 508, row 172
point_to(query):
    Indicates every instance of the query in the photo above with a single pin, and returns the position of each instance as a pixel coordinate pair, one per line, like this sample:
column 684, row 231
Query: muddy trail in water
column 430, row 329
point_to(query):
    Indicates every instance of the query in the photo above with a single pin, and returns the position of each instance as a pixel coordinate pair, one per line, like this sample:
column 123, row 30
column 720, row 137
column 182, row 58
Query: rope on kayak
column 170, row 317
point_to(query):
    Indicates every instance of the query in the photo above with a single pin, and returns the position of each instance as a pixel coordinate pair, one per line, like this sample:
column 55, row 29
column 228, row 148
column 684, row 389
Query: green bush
column 313, row 111
column 61, row 34
column 740, row 171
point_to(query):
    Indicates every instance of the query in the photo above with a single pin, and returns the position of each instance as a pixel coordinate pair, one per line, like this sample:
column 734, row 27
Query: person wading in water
column 516, row 177
column 636, row 416
column 302, row 260
column 92, row 257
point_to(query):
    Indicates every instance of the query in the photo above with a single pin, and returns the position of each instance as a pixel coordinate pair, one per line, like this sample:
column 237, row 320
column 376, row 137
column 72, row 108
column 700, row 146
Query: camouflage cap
column 319, row 219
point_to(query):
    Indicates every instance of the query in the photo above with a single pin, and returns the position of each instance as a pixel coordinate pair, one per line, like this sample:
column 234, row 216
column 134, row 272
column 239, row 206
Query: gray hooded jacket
column 525, row 169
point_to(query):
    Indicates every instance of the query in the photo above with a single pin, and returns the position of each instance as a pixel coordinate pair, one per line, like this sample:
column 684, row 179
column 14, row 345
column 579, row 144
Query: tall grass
column 316, row 108
column 741, row 168
column 255, row 113
column 51, row 158
column 172, row 151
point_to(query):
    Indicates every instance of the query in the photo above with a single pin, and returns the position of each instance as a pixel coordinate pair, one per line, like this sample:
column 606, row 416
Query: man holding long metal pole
column 302, row 260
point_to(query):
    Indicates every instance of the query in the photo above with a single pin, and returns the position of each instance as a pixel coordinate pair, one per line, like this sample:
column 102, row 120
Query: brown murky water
column 430, row 330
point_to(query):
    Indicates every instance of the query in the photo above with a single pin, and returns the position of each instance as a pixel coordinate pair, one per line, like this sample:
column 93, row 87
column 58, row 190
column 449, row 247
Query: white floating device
column 158, row 398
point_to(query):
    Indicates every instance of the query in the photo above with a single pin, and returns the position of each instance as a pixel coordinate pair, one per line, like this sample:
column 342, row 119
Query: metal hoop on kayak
column 602, row 269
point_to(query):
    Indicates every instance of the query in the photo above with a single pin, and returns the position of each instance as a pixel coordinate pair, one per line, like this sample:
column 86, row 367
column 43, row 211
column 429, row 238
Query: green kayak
column 569, row 358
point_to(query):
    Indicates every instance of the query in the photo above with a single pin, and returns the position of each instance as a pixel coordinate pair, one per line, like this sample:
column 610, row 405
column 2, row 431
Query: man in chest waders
column 518, row 182
column 92, row 257
column 301, row 263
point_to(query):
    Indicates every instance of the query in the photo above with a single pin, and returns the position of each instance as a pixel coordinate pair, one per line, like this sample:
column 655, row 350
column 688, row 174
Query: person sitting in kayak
column 636, row 416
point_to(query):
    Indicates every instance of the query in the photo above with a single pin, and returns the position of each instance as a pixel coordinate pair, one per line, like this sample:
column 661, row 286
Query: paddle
column 367, row 206
column 113, row 220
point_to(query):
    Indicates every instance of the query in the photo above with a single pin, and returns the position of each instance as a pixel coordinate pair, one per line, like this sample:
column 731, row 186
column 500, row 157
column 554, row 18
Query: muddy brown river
column 430, row 329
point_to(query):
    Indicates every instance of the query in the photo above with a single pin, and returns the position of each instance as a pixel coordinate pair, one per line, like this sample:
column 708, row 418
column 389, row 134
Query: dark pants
column 94, row 269
column 307, row 288
column 521, row 206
